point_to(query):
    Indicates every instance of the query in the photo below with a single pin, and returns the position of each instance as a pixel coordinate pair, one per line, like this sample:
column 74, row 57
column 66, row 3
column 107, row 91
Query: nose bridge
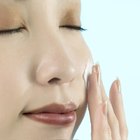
column 52, row 45
column 55, row 65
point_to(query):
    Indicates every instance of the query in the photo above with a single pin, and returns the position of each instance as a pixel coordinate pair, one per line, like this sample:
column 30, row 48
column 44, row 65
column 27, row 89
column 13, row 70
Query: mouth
column 55, row 114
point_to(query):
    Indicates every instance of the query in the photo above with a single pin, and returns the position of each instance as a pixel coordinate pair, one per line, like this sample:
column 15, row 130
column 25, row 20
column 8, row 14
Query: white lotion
column 88, row 71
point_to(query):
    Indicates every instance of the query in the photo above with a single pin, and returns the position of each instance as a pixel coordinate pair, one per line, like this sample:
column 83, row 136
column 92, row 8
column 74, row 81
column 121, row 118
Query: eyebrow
column 26, row 0
column 20, row 0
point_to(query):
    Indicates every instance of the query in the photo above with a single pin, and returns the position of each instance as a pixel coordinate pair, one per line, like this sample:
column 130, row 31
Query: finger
column 113, row 123
column 94, row 93
column 101, row 129
column 104, row 96
column 112, row 119
column 117, row 104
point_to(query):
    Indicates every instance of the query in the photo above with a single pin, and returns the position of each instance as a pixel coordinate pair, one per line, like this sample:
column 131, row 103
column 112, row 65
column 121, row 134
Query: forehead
column 60, row 2
column 43, row 1
column 63, row 4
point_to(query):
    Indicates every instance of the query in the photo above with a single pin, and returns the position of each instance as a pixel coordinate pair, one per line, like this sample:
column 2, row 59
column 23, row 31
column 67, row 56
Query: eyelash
column 20, row 29
column 11, row 31
column 73, row 27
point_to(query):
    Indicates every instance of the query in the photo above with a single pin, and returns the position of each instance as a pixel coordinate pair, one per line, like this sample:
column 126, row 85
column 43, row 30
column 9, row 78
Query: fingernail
column 96, row 70
column 105, row 108
column 98, row 74
column 118, row 84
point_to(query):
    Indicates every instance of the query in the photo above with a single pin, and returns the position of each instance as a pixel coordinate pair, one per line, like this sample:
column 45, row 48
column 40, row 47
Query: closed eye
column 20, row 29
column 73, row 27
column 11, row 31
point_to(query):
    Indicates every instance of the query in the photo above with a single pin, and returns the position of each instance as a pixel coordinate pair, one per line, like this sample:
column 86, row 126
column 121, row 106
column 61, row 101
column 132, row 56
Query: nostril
column 54, row 80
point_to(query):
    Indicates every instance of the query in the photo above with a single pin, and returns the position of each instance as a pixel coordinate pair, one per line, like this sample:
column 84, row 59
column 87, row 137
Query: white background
column 113, row 37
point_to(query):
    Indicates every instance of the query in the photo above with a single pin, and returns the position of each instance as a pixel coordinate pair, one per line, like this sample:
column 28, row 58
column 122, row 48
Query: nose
column 55, row 68
column 54, row 73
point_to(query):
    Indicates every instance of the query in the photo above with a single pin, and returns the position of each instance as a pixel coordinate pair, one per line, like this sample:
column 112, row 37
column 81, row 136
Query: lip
column 57, row 114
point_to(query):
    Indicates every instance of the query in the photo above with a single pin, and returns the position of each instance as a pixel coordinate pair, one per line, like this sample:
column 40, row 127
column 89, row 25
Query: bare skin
column 43, row 57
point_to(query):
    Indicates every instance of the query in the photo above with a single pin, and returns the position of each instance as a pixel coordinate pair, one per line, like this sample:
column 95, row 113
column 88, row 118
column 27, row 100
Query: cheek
column 80, row 54
column 78, row 50
column 81, row 99
column 12, row 87
column 84, row 62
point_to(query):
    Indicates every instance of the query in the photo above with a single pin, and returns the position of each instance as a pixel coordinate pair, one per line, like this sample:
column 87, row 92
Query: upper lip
column 54, row 108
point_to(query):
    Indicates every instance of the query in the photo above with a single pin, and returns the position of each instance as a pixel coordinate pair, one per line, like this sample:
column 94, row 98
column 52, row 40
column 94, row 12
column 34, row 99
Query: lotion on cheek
column 87, row 72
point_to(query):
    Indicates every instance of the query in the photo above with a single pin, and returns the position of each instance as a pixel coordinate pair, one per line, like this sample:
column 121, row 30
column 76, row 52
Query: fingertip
column 92, row 80
column 118, row 84
column 115, row 87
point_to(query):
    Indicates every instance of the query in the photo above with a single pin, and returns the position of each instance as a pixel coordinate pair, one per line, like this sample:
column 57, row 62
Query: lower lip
column 52, row 118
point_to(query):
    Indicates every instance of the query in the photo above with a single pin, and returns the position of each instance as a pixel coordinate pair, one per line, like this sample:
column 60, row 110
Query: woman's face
column 42, row 61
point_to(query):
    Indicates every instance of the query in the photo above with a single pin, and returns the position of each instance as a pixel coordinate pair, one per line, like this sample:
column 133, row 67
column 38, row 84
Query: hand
column 106, row 114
